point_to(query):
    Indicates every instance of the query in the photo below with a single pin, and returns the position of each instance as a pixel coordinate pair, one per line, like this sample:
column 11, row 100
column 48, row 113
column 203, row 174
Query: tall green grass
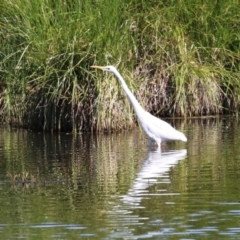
column 180, row 58
column 195, row 47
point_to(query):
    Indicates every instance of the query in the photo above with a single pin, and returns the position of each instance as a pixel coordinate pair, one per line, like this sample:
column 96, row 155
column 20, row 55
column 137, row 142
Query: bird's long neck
column 137, row 107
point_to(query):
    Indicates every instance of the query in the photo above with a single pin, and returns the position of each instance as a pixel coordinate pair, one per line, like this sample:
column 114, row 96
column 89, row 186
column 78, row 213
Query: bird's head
column 111, row 69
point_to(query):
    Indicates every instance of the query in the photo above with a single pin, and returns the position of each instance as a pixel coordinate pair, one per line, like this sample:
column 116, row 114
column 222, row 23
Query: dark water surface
column 111, row 187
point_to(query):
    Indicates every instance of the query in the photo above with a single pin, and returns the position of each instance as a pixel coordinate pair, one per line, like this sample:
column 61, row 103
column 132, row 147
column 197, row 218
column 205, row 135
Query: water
column 111, row 187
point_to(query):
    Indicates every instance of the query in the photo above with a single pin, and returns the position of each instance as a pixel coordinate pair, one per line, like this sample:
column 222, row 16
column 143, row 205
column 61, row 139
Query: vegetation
column 181, row 58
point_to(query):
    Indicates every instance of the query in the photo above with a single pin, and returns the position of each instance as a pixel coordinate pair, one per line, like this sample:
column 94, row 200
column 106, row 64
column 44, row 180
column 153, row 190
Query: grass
column 179, row 58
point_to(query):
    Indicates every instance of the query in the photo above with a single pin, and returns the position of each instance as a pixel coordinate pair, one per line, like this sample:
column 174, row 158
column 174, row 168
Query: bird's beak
column 98, row 67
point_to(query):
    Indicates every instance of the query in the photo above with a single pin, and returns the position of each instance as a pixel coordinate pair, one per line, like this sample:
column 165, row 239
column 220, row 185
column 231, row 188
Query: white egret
column 155, row 128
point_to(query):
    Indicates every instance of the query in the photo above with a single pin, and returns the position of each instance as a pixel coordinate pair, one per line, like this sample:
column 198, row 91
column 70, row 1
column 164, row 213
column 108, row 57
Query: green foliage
column 179, row 57
column 195, row 48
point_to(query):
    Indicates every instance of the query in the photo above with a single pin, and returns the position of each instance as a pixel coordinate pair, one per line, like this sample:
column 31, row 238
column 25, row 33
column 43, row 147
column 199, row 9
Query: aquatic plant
column 180, row 59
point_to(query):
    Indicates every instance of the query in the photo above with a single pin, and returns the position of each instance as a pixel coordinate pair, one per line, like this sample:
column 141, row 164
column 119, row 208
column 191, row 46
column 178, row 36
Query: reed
column 179, row 58
column 193, row 49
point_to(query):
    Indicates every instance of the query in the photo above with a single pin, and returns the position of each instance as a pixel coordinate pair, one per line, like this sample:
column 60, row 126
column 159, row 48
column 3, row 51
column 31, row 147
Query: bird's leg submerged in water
column 159, row 143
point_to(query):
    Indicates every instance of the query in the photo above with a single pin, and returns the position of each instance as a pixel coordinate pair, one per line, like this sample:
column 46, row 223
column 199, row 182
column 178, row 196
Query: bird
column 156, row 129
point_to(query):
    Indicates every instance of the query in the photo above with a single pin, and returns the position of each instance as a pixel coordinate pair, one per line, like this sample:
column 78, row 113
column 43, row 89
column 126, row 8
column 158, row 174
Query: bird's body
column 155, row 128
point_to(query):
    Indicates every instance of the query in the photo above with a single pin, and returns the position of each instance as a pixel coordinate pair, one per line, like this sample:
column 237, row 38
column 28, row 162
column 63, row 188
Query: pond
column 66, row 186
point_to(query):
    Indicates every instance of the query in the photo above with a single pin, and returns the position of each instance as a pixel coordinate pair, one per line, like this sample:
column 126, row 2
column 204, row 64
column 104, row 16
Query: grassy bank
column 179, row 58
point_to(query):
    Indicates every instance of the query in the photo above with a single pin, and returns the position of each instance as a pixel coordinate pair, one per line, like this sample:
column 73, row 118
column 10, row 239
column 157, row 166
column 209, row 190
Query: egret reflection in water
column 156, row 165
column 154, row 169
